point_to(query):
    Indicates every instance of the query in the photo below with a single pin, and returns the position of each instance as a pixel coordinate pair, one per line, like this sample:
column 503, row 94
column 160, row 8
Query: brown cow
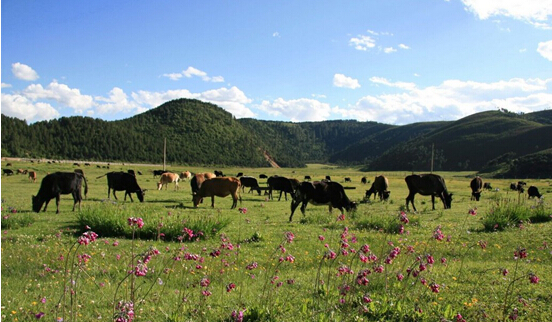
column 167, row 178
column 220, row 187
column 22, row 171
column 185, row 175
column 476, row 186
column 198, row 179
column 32, row 176
column 379, row 187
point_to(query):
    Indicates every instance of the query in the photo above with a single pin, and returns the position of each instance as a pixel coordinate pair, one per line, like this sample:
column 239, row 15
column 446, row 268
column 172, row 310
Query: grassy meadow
column 479, row 261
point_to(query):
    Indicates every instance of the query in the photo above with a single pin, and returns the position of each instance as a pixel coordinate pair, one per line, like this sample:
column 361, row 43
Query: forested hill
column 201, row 133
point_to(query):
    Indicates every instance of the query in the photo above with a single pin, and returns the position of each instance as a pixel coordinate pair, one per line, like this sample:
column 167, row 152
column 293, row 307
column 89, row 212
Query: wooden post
column 164, row 153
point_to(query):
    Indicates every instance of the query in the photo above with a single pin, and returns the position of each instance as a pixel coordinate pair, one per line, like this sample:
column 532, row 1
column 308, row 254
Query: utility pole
column 164, row 153
column 432, row 155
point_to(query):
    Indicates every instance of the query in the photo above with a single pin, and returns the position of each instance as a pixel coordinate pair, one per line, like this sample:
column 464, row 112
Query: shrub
column 505, row 214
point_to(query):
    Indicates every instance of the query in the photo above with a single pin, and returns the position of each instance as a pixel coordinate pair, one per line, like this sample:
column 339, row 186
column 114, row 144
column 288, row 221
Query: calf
column 167, row 178
column 185, row 175
column 32, row 176
column 122, row 181
column 533, row 192
column 250, row 182
column 321, row 193
column 379, row 187
column 427, row 185
column 220, row 187
column 476, row 186
column 56, row 184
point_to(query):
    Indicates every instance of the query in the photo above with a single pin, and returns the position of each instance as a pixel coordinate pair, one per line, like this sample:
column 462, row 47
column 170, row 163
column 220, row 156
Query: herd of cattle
column 203, row 185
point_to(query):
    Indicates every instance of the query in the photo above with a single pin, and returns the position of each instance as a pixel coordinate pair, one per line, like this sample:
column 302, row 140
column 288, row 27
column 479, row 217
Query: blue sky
column 395, row 62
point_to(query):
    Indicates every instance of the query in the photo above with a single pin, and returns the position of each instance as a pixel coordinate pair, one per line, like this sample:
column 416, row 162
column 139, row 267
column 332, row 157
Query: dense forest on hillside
column 199, row 133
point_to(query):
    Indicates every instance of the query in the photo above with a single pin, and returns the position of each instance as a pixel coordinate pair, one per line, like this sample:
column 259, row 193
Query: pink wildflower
column 533, row 279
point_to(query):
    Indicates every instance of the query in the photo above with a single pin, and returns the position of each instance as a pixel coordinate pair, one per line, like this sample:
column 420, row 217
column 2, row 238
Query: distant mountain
column 199, row 133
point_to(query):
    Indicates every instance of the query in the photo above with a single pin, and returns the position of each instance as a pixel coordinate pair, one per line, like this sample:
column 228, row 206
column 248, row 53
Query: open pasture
column 254, row 264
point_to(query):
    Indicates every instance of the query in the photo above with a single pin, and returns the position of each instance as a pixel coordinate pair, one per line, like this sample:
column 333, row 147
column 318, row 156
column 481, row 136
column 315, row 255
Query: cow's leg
column 304, row 206
column 294, row 204
column 213, row 201
column 46, row 204
column 280, row 195
column 57, row 203
column 410, row 199
column 433, row 201
column 115, row 196
column 129, row 195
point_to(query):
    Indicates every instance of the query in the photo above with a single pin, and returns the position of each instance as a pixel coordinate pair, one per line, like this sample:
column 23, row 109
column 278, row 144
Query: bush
column 505, row 214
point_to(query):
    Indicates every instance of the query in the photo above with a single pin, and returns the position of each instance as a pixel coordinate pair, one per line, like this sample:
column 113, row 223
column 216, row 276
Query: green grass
column 40, row 256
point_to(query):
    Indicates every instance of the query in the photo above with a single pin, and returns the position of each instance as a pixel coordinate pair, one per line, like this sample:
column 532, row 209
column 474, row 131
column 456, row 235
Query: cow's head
column 352, row 206
column 476, row 195
column 196, row 199
column 141, row 193
column 37, row 203
column 386, row 194
column 447, row 200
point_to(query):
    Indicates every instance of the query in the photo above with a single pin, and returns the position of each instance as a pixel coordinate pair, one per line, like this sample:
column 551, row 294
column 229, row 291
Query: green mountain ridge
column 200, row 133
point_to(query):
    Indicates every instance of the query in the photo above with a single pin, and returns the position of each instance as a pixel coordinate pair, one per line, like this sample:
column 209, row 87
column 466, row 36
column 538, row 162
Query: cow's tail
column 102, row 176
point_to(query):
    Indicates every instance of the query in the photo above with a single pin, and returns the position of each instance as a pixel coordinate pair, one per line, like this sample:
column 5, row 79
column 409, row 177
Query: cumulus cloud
column 450, row 100
column 5, row 85
column 24, row 72
column 60, row 93
column 297, row 110
column 545, row 49
column 389, row 50
column 383, row 81
column 362, row 42
column 341, row 80
column 19, row 106
column 535, row 12
column 194, row 72
column 403, row 46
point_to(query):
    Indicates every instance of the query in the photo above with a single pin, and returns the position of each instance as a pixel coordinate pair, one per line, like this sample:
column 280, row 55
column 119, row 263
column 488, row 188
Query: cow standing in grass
column 321, row 193
column 122, row 181
column 167, row 178
column 427, row 185
column 220, row 187
column 380, row 187
column 476, row 186
column 56, row 184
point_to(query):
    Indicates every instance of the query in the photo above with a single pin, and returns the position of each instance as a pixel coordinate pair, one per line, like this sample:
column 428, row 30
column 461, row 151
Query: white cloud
column 545, row 49
column 6, row 85
column 389, row 50
column 19, row 106
column 362, row 42
column 24, row 72
column 450, row 100
column 403, row 46
column 298, row 110
column 383, row 81
column 194, row 72
column 341, row 80
column 535, row 12
column 276, row 34
column 62, row 94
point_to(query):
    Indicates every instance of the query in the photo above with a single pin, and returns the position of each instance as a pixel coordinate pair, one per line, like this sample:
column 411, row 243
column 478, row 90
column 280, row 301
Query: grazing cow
column 427, row 185
column 321, row 193
column 282, row 184
column 167, row 178
column 32, row 176
column 263, row 176
column 379, row 187
column 22, row 171
column 533, row 192
column 56, row 184
column 9, row 164
column 250, row 182
column 140, row 172
column 219, row 173
column 487, row 186
column 347, row 179
column 8, row 172
column 158, row 172
column 185, row 175
column 122, row 181
column 518, row 186
column 76, row 164
column 79, row 171
column 198, row 179
column 476, row 186
column 130, row 171
column 328, row 178
column 240, row 174
column 220, row 187
column 308, row 178
column 364, row 180
column 87, row 164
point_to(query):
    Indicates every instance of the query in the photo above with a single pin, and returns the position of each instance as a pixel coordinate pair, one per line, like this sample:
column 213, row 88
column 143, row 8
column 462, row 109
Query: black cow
column 240, row 174
column 533, row 192
column 364, row 180
column 328, row 178
column 518, row 186
column 487, row 186
column 250, row 182
column 122, row 181
column 219, row 173
column 59, row 183
column 283, row 184
column 347, row 179
column 380, row 187
column 262, row 176
column 8, row 172
column 476, row 186
column 321, row 193
column 158, row 172
column 427, row 185
column 308, row 178
column 131, row 172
